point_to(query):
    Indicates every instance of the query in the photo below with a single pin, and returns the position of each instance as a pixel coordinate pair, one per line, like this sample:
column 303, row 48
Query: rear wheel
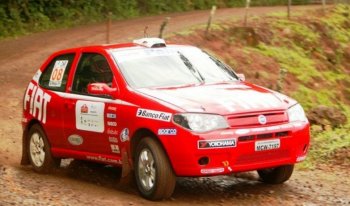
column 154, row 175
column 276, row 175
column 39, row 151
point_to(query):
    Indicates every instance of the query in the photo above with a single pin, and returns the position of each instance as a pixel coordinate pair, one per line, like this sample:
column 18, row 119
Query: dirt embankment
column 80, row 183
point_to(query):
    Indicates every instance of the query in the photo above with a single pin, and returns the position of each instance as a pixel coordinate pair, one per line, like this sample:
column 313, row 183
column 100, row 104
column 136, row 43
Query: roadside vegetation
column 306, row 57
column 19, row 17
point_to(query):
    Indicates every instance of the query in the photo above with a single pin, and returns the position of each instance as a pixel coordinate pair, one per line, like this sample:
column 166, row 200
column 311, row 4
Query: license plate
column 267, row 145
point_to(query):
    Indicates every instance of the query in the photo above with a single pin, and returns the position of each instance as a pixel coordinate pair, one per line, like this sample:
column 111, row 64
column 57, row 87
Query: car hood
column 223, row 98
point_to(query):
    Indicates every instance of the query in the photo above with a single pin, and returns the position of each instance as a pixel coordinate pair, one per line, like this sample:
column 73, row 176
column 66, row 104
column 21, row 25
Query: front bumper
column 187, row 158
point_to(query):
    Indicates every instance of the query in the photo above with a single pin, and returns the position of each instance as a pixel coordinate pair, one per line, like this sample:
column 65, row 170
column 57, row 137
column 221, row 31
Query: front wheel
column 39, row 151
column 276, row 175
column 154, row 175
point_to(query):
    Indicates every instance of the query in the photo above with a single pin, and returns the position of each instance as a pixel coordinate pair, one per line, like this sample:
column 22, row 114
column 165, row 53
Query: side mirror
column 102, row 89
column 241, row 77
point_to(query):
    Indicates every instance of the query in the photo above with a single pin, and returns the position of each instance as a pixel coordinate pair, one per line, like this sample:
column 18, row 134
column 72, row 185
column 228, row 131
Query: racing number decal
column 57, row 73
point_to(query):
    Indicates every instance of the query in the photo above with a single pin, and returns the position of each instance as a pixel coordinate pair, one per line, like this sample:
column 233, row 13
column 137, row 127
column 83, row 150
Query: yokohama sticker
column 152, row 114
column 220, row 143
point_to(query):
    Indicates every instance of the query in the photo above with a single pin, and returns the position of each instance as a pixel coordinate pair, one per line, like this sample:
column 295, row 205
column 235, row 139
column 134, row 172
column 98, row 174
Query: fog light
column 203, row 161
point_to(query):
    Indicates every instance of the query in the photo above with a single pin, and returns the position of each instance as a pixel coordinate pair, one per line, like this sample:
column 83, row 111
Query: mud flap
column 127, row 175
column 25, row 157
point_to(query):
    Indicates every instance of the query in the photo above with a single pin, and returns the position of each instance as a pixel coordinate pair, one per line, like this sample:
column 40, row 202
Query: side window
column 56, row 73
column 92, row 68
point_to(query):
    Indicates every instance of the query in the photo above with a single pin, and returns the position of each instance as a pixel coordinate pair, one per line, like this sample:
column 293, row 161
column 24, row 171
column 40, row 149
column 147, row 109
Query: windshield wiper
column 189, row 65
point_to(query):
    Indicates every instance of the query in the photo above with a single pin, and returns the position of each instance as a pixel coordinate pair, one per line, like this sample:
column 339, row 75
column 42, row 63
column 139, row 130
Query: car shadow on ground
column 241, row 185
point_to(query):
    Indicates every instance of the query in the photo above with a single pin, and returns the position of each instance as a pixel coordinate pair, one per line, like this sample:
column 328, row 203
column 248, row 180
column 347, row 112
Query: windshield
column 170, row 67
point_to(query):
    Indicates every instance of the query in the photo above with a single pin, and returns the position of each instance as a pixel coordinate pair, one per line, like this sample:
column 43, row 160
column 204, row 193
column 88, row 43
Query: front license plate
column 267, row 145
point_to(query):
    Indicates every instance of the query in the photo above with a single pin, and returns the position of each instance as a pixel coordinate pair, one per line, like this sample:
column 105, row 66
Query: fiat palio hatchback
column 160, row 111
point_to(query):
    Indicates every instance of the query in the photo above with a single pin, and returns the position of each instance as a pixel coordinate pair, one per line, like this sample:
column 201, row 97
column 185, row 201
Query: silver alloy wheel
column 146, row 169
column 36, row 149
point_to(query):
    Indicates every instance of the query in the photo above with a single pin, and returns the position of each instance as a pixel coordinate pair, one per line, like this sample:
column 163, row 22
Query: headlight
column 200, row 122
column 296, row 113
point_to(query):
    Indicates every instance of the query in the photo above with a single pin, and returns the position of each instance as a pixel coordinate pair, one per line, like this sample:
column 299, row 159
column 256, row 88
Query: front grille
column 239, row 120
column 264, row 136
column 260, row 157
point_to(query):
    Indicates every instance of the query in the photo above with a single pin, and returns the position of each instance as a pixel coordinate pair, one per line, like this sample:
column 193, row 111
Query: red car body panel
column 241, row 103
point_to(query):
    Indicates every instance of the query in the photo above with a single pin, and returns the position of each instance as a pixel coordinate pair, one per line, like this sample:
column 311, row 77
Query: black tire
column 48, row 162
column 276, row 175
column 164, row 177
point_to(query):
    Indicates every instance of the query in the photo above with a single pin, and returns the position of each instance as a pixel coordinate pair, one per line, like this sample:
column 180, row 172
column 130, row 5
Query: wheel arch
column 25, row 157
column 142, row 133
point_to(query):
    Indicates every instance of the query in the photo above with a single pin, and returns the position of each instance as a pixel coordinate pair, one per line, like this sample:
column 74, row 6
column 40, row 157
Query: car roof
column 116, row 46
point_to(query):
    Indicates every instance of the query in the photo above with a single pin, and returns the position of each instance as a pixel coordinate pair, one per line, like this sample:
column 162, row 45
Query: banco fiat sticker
column 152, row 114
column 89, row 116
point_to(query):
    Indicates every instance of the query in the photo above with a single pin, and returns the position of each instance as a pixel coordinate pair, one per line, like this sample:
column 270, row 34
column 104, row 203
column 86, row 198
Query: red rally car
column 159, row 110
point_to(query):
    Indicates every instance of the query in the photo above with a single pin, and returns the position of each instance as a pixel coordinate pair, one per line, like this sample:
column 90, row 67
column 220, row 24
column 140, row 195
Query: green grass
column 324, row 145
column 294, row 60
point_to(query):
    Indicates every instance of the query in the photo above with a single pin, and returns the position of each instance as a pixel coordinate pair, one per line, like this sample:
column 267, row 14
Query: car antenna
column 145, row 34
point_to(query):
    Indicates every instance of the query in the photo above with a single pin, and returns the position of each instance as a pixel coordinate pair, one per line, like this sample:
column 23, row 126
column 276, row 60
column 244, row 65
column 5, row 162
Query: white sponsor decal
column 89, row 116
column 212, row 170
column 112, row 108
column 111, row 116
column 75, row 140
column 258, row 129
column 113, row 139
column 104, row 159
column 115, row 148
column 242, row 131
column 37, row 76
column 167, row 131
column 267, row 145
column 112, row 124
column 220, row 143
column 58, row 73
column 37, row 100
column 152, row 114
column 273, row 128
column 124, row 135
column 112, row 131
column 227, row 133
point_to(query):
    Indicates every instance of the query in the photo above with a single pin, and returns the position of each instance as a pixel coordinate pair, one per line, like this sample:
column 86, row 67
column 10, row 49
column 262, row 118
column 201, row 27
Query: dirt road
column 81, row 184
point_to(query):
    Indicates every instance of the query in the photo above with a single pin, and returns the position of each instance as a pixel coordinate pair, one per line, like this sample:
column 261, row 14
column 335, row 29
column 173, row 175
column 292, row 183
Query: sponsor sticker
column 104, row 159
column 112, row 124
column 167, row 131
column 111, row 116
column 75, row 140
column 212, row 170
column 124, row 135
column 113, row 139
column 112, row 132
column 220, row 143
column 36, row 101
column 89, row 116
column 152, row 114
column 115, row 148
column 58, row 73
column 111, row 108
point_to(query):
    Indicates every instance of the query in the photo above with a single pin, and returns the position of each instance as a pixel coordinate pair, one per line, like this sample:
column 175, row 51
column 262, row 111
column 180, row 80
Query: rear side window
column 56, row 73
